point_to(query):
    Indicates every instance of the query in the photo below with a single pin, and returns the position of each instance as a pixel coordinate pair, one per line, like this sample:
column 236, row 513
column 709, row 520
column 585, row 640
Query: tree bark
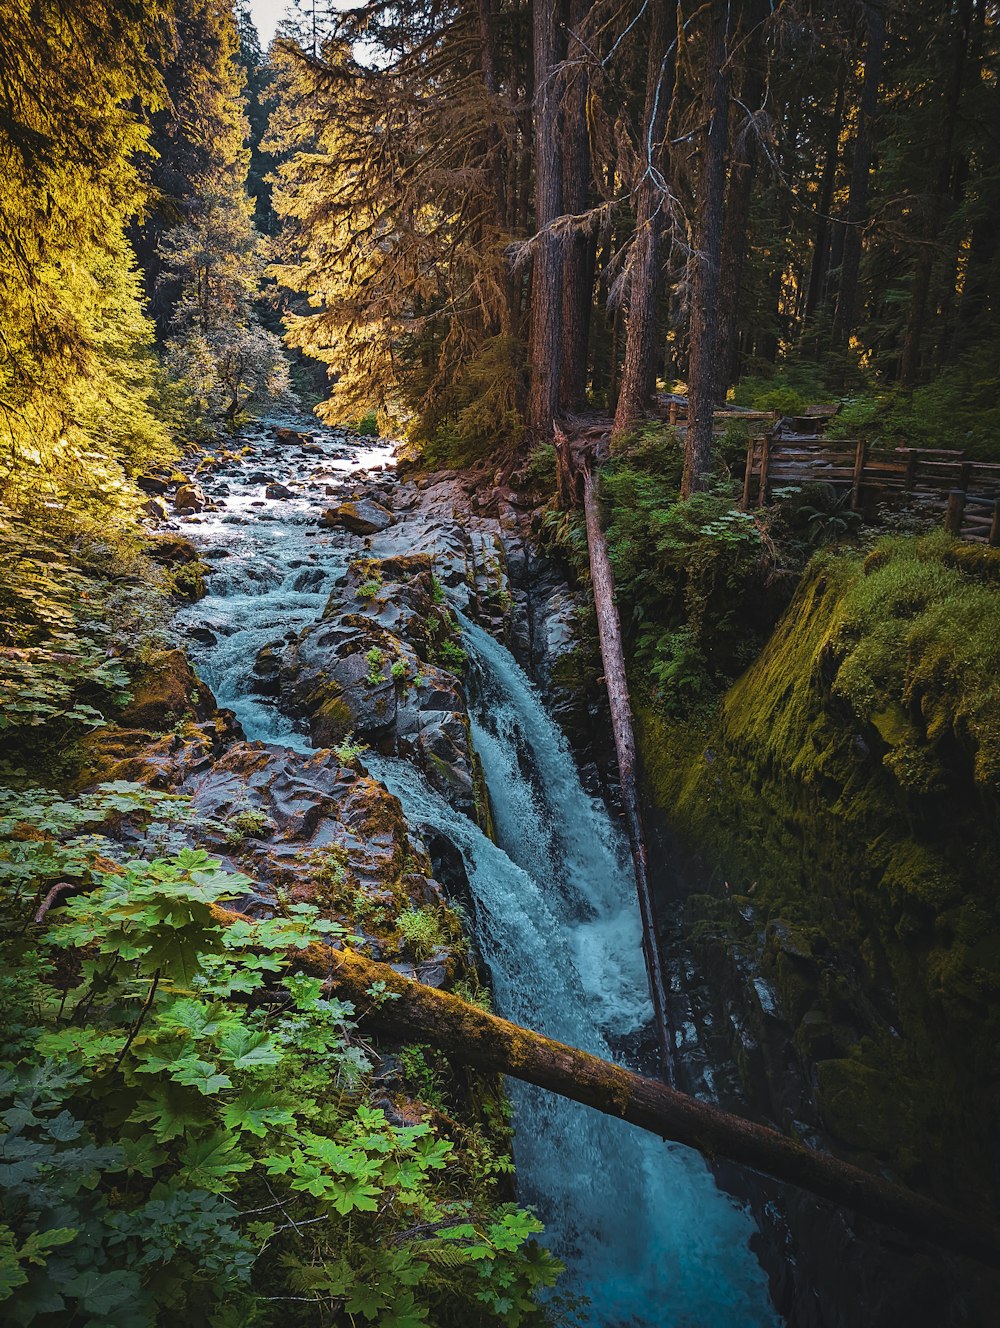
column 545, row 341
column 580, row 247
column 984, row 242
column 408, row 1010
column 821, row 243
column 739, row 195
column 857, row 206
column 645, row 260
column 613, row 658
column 702, row 364
column 910, row 356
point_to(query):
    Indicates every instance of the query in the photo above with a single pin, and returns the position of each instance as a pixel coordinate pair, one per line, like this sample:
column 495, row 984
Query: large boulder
column 155, row 485
column 284, row 434
column 166, row 691
column 361, row 517
column 190, row 498
column 169, row 550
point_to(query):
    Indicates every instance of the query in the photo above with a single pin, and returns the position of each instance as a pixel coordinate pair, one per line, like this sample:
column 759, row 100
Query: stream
column 646, row 1234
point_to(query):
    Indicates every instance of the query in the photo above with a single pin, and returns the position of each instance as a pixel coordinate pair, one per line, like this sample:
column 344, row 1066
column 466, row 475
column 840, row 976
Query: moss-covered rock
column 165, row 690
column 848, row 789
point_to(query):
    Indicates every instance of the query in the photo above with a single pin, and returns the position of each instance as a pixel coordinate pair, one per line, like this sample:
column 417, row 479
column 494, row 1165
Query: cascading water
column 646, row 1235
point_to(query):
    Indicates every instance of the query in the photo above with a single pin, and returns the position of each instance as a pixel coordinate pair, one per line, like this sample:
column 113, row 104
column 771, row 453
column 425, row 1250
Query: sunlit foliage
column 77, row 379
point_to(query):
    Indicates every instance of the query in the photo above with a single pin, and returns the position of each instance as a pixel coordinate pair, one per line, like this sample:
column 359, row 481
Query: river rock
column 267, row 672
column 153, row 484
column 363, row 517
column 169, row 549
column 284, row 434
column 190, row 498
column 276, row 490
column 165, row 691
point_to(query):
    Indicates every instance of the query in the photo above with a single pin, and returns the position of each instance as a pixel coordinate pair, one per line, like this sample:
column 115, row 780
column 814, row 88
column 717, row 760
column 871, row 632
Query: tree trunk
column 645, row 260
column 742, row 170
column 580, row 247
column 702, row 365
column 910, row 355
column 821, row 243
column 407, row 1010
column 857, row 206
column 545, row 341
column 984, row 242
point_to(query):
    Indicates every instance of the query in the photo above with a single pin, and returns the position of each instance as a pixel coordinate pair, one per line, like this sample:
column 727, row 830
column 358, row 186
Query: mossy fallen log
column 397, row 1007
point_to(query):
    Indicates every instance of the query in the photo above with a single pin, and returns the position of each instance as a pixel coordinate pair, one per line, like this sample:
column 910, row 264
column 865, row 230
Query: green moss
column 337, row 718
column 848, row 786
column 862, row 1108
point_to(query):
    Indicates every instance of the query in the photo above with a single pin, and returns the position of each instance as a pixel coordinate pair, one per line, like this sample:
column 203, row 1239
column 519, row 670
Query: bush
column 367, row 425
column 959, row 409
column 175, row 1151
column 687, row 572
column 788, row 389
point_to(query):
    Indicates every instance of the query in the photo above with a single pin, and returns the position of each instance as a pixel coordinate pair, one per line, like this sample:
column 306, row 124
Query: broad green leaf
column 255, row 1113
column 210, row 1162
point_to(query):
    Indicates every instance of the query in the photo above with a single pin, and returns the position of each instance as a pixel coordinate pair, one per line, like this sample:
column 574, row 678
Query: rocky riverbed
column 338, row 632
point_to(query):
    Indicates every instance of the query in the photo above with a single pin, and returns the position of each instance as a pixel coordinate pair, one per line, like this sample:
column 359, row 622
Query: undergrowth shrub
column 685, row 571
column 190, row 1128
column 959, row 409
column 70, row 605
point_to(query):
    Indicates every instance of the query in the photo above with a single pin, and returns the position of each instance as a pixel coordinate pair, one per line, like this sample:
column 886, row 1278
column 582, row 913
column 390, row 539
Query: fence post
column 860, row 456
column 954, row 512
column 765, row 459
column 673, row 414
column 910, row 473
column 995, row 525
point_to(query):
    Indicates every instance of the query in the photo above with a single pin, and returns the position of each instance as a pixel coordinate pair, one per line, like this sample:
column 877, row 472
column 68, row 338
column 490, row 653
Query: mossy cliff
column 844, row 804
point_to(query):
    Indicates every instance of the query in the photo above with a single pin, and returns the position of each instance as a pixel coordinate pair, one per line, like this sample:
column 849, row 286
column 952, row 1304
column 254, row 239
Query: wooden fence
column 967, row 493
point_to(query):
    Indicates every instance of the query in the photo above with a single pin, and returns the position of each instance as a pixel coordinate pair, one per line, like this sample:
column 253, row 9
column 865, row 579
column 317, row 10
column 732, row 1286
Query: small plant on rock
column 452, row 656
column 375, row 659
column 369, row 589
column 247, row 823
column 420, row 932
column 349, row 749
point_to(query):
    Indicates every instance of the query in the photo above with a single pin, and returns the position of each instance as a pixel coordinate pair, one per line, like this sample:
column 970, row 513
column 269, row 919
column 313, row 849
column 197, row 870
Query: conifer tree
column 74, row 77
column 202, row 255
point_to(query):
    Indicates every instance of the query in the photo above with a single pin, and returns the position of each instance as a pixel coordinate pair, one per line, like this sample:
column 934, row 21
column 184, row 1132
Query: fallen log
column 400, row 1008
column 613, row 658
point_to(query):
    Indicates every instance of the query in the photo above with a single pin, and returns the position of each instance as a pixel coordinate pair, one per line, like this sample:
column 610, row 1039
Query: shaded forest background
column 483, row 215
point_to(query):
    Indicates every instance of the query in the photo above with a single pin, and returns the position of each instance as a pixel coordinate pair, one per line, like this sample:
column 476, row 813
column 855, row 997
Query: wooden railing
column 967, row 493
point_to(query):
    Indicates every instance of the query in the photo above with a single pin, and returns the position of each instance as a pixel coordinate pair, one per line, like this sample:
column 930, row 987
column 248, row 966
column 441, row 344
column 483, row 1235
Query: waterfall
column 644, row 1230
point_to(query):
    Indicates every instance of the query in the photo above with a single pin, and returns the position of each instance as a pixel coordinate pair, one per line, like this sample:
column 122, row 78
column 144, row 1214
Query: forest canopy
column 484, row 216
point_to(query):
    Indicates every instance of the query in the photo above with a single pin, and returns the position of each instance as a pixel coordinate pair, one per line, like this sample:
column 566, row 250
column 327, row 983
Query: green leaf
column 255, row 1112
column 203, row 1076
column 247, row 1049
column 101, row 1293
column 210, row 1162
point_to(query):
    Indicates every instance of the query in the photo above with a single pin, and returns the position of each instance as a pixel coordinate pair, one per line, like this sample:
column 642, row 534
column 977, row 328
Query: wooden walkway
column 966, row 493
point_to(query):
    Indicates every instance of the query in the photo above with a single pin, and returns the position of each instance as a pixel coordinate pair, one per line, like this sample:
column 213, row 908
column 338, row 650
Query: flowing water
column 646, row 1234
